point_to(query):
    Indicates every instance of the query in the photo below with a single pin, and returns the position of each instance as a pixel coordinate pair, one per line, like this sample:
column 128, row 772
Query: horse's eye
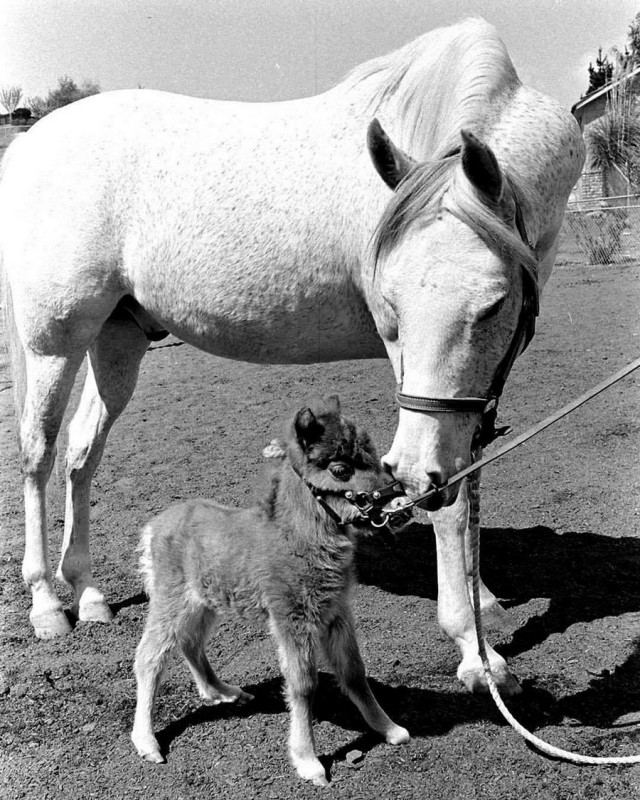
column 341, row 471
column 492, row 310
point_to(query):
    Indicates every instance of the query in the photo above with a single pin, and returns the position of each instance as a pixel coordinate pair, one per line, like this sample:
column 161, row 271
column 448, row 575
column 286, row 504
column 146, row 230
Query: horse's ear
column 390, row 162
column 481, row 166
column 308, row 429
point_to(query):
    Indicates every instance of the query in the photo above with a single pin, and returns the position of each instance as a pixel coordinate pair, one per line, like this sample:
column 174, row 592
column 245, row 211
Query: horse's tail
column 17, row 362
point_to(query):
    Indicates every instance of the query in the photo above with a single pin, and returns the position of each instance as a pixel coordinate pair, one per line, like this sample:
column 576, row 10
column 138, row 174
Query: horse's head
column 448, row 266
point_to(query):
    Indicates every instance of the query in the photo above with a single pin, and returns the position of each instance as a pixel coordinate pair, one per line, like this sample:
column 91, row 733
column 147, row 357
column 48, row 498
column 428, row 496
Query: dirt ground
column 561, row 545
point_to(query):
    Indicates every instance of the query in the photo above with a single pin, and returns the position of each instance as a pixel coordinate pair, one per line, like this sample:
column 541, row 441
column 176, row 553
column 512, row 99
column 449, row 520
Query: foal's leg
column 343, row 654
column 49, row 383
column 158, row 640
column 193, row 637
column 455, row 611
column 114, row 360
column 296, row 651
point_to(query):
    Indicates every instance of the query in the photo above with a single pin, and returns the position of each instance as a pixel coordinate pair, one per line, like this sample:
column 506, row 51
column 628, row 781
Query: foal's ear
column 481, row 166
column 391, row 163
column 332, row 402
column 308, row 429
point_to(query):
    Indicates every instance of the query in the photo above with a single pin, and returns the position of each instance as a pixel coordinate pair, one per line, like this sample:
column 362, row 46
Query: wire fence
column 604, row 230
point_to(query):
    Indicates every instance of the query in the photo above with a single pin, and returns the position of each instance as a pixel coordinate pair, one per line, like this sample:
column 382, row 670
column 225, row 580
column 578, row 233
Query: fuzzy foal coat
column 286, row 559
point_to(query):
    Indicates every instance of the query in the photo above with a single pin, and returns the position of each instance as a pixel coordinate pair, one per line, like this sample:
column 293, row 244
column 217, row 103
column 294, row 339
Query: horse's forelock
column 418, row 197
column 432, row 188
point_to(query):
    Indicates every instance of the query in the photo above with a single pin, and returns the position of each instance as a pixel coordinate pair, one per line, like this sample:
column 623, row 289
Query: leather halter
column 369, row 504
column 488, row 406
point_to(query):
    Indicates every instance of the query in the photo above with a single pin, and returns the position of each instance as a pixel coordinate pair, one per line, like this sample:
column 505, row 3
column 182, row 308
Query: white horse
column 263, row 232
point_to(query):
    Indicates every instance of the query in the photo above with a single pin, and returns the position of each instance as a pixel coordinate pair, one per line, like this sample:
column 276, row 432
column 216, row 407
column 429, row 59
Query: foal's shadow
column 584, row 577
column 425, row 713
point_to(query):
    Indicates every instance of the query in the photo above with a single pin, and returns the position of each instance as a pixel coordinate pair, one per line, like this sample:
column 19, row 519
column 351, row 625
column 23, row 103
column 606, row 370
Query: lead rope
column 539, row 744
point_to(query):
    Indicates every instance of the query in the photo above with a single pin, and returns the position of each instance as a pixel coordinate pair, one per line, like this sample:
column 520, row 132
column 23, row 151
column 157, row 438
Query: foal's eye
column 341, row 471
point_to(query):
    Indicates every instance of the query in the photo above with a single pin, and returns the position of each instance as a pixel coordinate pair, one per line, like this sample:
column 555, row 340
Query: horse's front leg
column 494, row 616
column 455, row 609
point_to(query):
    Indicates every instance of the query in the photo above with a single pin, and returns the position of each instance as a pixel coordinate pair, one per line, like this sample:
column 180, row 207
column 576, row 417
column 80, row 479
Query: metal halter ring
column 370, row 504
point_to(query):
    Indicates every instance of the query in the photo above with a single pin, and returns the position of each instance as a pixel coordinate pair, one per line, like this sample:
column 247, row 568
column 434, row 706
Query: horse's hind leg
column 49, row 383
column 114, row 361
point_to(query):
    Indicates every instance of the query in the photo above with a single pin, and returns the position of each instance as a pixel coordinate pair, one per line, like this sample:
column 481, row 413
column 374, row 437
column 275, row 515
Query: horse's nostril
column 436, row 478
column 435, row 501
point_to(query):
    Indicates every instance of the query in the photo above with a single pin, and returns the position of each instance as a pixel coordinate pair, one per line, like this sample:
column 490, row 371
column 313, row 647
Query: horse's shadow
column 584, row 577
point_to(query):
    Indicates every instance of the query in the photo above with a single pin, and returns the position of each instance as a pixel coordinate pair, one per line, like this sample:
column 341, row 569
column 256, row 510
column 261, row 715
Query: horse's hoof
column 90, row 606
column 94, row 611
column 155, row 758
column 50, row 625
column 475, row 681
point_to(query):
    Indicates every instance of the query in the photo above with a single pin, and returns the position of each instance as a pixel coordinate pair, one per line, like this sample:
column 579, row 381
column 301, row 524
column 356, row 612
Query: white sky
column 279, row 49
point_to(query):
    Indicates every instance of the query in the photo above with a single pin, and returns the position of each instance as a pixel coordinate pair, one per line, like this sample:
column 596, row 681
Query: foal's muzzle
column 383, row 506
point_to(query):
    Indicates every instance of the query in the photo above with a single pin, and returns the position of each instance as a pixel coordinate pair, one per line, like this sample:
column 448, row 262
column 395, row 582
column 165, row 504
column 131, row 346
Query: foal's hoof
column 148, row 749
column 214, row 695
column 50, row 625
column 397, row 735
column 312, row 770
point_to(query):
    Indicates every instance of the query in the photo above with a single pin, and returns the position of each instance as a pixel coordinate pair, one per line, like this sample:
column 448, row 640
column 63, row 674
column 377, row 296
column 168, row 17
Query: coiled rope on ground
column 539, row 744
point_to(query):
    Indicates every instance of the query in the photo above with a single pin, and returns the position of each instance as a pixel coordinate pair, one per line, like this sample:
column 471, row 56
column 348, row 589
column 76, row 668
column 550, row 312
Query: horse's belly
column 272, row 329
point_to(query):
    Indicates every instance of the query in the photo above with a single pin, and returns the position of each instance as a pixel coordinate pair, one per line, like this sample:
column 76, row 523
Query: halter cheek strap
column 488, row 406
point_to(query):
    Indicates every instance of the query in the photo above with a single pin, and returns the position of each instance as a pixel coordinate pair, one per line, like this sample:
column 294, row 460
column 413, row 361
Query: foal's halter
column 488, row 406
column 369, row 504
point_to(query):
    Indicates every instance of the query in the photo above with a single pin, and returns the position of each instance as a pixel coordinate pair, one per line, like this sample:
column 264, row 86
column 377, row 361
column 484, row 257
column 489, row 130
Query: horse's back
column 163, row 196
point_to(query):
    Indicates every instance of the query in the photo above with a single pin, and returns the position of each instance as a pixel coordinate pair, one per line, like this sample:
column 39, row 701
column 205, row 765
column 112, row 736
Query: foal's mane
column 426, row 92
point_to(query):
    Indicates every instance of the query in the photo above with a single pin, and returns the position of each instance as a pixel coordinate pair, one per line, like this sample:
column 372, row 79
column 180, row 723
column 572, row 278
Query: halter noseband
column 369, row 504
column 488, row 406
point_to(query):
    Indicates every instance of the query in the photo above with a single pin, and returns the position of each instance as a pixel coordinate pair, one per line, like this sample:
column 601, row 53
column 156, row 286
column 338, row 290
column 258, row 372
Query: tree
column 21, row 115
column 10, row 96
column 65, row 93
column 613, row 140
column 601, row 74
column 634, row 41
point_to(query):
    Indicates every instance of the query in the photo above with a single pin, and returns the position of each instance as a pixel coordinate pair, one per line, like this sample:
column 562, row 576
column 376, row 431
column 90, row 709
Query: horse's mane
column 426, row 92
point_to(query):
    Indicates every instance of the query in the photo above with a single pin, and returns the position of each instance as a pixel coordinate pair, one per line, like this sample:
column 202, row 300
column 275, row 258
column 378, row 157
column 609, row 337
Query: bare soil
column 561, row 545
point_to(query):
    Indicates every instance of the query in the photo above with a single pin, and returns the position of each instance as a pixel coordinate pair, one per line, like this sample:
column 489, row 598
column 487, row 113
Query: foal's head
column 331, row 455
